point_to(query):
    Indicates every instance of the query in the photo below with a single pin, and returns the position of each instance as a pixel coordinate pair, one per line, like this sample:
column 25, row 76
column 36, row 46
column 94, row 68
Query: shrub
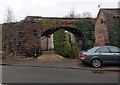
column 61, row 44
column 74, row 53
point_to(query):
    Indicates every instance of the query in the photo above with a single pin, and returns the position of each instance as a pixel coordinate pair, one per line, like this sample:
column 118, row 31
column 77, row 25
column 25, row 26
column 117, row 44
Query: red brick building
column 103, row 21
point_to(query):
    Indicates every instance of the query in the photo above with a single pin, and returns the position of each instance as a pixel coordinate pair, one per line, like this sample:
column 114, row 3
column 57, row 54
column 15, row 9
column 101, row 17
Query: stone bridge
column 28, row 32
column 48, row 25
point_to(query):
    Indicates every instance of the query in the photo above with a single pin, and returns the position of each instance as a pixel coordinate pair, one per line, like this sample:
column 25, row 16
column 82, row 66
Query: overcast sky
column 52, row 8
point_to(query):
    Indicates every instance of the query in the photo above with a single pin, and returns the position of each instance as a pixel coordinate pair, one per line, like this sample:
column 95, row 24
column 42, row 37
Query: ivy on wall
column 114, row 32
column 49, row 24
column 9, row 38
column 87, row 29
column 13, row 32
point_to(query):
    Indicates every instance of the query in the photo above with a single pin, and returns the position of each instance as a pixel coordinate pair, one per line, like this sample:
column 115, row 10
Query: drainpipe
column 47, row 43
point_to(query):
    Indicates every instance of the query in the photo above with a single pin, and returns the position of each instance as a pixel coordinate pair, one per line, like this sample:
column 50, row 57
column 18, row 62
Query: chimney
column 119, row 4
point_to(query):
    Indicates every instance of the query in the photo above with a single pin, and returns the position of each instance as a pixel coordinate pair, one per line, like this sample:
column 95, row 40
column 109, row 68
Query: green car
column 100, row 55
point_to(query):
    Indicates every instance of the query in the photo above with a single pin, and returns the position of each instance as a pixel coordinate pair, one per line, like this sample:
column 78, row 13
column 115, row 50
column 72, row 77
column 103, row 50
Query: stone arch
column 76, row 32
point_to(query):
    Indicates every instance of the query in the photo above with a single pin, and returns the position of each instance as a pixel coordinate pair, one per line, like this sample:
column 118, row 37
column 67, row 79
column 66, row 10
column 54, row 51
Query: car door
column 116, row 54
column 105, row 55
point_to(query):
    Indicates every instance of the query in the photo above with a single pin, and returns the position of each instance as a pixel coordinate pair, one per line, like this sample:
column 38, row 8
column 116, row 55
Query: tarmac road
column 19, row 74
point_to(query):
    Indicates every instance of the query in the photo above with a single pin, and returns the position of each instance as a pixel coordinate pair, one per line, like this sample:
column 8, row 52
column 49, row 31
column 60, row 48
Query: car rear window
column 92, row 49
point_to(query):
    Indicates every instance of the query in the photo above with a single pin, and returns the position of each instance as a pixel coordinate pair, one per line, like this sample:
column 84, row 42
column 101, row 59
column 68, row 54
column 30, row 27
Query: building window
column 34, row 30
column 34, row 34
column 102, row 21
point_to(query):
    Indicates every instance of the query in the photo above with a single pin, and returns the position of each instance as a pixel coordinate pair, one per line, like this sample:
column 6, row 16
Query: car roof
column 97, row 47
column 105, row 46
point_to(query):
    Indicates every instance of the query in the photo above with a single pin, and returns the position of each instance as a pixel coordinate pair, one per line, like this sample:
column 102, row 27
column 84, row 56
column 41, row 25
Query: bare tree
column 78, row 15
column 86, row 15
column 9, row 16
column 71, row 14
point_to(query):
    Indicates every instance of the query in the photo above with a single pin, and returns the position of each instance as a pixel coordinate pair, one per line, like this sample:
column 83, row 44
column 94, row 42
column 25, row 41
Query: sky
column 52, row 8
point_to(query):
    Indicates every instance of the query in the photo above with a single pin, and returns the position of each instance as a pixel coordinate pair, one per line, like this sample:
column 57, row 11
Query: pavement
column 56, row 61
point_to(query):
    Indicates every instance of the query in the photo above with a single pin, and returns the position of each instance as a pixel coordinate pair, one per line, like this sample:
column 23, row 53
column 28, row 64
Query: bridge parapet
column 33, row 19
column 62, row 19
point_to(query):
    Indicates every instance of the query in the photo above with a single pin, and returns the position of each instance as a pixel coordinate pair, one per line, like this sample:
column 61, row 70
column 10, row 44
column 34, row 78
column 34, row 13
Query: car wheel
column 96, row 63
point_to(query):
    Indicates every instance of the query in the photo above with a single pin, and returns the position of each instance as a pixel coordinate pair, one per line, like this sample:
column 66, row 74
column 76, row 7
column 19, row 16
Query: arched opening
column 75, row 31
column 45, row 37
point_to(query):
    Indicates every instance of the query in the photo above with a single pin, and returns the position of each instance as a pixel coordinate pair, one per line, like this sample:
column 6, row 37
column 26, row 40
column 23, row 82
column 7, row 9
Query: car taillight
column 83, row 55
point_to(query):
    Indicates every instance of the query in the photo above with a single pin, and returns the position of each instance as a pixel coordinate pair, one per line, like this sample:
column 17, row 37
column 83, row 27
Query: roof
column 110, row 11
column 104, row 46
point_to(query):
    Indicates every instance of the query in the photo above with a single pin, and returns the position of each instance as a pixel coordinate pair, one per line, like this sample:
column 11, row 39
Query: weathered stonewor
column 107, row 29
column 25, row 37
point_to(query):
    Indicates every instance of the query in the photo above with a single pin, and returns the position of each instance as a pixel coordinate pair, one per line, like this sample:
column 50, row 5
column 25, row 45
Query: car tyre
column 96, row 63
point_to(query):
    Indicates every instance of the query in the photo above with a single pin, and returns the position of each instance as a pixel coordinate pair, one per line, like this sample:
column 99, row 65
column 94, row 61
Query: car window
column 103, row 50
column 92, row 49
column 98, row 50
column 114, row 50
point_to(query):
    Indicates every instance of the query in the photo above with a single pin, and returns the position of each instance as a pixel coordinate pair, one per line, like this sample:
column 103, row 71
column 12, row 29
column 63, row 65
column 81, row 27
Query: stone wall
column 101, row 36
column 24, row 37
column 0, row 39
column 47, row 43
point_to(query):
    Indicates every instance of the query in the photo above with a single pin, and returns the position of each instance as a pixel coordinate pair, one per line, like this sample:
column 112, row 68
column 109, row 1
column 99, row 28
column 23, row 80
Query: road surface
column 14, row 74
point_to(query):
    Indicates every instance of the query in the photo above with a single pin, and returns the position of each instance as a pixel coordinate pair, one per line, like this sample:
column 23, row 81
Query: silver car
column 97, row 56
